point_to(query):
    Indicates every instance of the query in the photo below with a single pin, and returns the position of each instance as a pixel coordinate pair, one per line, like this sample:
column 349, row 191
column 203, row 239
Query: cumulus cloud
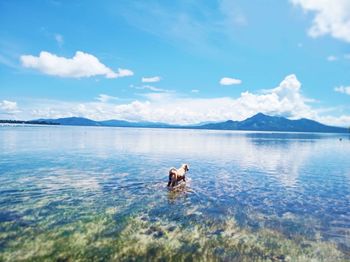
column 151, row 79
column 80, row 65
column 343, row 89
column 343, row 120
column 230, row 81
column 8, row 107
column 159, row 97
column 332, row 17
column 286, row 99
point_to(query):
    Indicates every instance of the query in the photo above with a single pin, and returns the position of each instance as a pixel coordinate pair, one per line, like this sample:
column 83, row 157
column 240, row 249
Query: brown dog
column 176, row 175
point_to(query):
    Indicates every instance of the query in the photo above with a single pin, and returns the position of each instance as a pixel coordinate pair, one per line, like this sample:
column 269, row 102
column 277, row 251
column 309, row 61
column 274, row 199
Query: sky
column 179, row 62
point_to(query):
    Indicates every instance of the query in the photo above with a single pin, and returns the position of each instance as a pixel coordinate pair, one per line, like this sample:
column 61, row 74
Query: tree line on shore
column 32, row 122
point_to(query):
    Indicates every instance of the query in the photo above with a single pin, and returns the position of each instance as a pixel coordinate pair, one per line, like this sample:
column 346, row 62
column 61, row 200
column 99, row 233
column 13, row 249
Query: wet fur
column 176, row 175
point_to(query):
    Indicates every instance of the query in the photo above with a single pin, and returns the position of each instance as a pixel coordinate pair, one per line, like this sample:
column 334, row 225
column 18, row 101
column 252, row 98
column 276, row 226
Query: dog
column 176, row 175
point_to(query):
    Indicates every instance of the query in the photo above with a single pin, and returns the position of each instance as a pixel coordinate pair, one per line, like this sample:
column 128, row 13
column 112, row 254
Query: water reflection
column 108, row 185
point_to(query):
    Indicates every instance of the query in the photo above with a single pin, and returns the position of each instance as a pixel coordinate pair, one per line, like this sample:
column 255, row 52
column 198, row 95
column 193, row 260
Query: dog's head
column 186, row 167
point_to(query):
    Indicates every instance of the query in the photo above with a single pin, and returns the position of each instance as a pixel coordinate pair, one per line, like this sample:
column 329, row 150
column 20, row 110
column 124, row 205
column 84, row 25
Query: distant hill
column 258, row 122
column 81, row 121
column 123, row 123
column 261, row 122
column 72, row 121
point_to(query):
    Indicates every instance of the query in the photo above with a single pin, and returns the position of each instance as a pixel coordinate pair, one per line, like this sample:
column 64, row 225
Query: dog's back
column 172, row 172
column 177, row 175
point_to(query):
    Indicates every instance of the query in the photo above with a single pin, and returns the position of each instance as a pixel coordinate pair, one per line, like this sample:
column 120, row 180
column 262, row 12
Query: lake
column 94, row 193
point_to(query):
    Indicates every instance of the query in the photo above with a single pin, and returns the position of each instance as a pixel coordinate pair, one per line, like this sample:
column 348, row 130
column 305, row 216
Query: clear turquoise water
column 86, row 193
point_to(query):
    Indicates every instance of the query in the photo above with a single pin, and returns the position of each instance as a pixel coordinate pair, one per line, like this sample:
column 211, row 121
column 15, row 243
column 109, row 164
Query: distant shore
column 258, row 122
column 22, row 122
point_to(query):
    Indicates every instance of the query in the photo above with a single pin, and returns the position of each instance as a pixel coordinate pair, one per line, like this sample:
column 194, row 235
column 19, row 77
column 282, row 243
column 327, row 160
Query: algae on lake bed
column 139, row 237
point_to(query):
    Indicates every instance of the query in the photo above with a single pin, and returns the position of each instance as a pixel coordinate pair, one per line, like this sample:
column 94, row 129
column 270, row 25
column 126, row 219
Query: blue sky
column 175, row 61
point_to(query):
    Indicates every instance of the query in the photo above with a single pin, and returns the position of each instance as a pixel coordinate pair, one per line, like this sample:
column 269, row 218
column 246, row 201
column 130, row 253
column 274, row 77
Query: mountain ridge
column 258, row 122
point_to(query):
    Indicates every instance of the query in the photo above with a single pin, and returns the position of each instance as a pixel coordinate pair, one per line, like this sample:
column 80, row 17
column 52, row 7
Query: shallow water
column 89, row 193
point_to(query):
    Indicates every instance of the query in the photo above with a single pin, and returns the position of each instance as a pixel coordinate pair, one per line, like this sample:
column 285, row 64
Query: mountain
column 258, row 122
column 261, row 122
column 227, row 125
column 72, row 121
column 120, row 123
column 80, row 121
column 123, row 123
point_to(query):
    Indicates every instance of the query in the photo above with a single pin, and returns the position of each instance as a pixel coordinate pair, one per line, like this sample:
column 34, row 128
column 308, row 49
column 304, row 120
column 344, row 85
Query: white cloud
column 332, row 58
column 159, row 97
column 122, row 73
column 151, row 88
column 230, row 81
column 332, row 17
column 343, row 89
column 8, row 107
column 286, row 100
column 59, row 39
column 151, row 79
column 106, row 98
column 194, row 91
column 343, row 120
column 81, row 65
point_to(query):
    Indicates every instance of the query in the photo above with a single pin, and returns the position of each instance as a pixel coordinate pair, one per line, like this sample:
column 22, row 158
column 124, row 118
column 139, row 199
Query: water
column 86, row 193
